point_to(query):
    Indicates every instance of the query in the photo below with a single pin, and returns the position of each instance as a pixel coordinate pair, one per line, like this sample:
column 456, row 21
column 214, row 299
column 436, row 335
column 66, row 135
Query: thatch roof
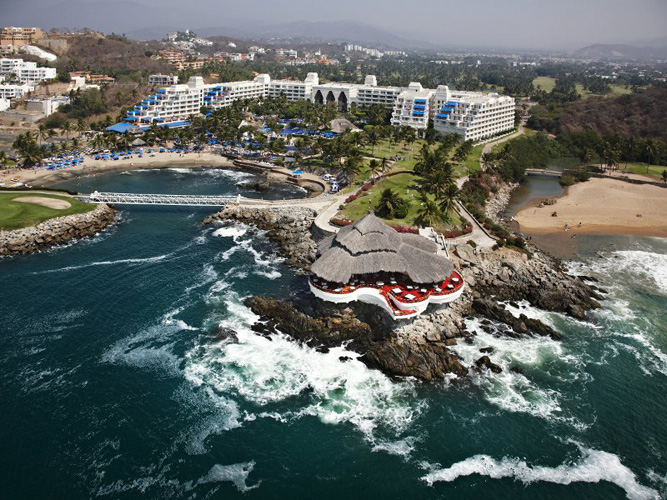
column 340, row 125
column 137, row 142
column 370, row 246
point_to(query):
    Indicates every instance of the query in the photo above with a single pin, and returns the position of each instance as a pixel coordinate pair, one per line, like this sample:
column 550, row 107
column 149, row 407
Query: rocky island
column 418, row 347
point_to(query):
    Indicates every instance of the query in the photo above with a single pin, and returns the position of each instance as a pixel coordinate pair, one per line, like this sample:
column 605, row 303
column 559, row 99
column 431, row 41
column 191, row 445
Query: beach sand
column 45, row 202
column 602, row 206
column 44, row 178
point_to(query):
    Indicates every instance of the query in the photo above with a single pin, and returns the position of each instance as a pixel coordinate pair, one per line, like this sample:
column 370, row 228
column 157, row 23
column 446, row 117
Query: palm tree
column 66, row 128
column 388, row 203
column 447, row 201
column 373, row 167
column 487, row 160
column 43, row 132
column 384, row 164
column 372, row 138
column 81, row 126
column 429, row 213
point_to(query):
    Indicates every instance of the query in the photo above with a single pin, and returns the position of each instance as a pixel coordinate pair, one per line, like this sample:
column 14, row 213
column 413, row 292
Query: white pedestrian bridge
column 192, row 200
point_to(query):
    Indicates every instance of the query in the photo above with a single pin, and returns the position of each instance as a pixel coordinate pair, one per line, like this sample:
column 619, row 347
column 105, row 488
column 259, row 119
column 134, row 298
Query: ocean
column 116, row 381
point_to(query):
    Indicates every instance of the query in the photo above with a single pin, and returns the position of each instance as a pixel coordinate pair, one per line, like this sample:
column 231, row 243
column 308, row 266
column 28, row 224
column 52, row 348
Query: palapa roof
column 370, row 246
column 340, row 125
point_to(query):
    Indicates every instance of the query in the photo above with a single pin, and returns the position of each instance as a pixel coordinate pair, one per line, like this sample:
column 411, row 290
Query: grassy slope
column 654, row 171
column 14, row 215
column 401, row 183
column 546, row 83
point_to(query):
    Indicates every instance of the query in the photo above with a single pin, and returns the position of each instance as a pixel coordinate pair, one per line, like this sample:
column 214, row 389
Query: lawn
column 616, row 90
column 402, row 184
column 15, row 215
column 546, row 83
column 471, row 164
column 654, row 171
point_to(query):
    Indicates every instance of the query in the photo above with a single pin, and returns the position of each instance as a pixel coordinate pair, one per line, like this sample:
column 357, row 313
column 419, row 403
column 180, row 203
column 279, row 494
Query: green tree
column 391, row 205
column 428, row 214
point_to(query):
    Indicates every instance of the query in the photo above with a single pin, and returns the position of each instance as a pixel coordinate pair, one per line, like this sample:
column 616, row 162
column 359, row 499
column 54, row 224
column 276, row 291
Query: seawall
column 55, row 231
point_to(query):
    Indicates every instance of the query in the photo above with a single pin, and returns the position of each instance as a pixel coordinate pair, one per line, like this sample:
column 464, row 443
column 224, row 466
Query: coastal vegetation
column 15, row 215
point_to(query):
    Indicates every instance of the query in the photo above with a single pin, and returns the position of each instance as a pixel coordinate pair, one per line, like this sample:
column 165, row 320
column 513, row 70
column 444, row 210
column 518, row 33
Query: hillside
column 639, row 115
column 619, row 51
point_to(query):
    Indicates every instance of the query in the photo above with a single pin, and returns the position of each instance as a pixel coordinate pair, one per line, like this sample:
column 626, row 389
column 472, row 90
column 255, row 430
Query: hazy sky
column 504, row 23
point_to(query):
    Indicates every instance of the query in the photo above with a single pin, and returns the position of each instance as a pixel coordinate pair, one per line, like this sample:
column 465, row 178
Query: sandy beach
column 43, row 178
column 600, row 206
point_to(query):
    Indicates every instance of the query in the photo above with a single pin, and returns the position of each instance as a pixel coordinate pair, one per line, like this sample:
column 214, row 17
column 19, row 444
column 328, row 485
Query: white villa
column 26, row 72
column 473, row 115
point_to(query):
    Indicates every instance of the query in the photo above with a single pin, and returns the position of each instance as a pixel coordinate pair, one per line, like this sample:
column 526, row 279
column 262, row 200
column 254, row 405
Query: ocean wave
column 515, row 392
column 633, row 265
column 265, row 371
column 594, row 466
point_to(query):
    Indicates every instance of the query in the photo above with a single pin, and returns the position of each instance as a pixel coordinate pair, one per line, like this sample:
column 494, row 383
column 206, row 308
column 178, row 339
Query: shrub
column 566, row 180
column 472, row 243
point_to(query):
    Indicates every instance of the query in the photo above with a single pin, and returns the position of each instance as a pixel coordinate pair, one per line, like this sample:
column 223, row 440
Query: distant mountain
column 619, row 51
column 323, row 31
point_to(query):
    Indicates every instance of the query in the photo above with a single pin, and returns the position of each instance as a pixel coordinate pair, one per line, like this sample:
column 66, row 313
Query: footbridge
column 542, row 171
column 195, row 200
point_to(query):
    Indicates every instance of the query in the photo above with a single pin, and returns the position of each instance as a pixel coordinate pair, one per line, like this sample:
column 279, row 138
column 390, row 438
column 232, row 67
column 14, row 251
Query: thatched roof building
column 370, row 246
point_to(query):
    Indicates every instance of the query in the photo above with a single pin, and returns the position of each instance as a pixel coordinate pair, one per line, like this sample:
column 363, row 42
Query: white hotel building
column 473, row 115
column 26, row 72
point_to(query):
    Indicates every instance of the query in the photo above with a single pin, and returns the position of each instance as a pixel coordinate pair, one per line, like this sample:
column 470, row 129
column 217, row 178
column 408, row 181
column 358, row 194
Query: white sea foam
column 651, row 267
column 235, row 231
column 147, row 260
column 593, row 466
column 236, row 473
column 512, row 391
column 265, row 371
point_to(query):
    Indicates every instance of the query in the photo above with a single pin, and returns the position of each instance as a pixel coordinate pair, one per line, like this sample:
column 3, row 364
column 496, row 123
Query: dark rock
column 520, row 325
column 517, row 369
column 486, row 350
column 344, row 358
column 222, row 333
column 485, row 362
column 425, row 362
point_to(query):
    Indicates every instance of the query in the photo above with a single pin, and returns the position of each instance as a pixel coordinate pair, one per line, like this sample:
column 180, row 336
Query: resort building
column 26, row 72
column 18, row 37
column 370, row 262
column 163, row 80
column 412, row 107
column 472, row 115
column 4, row 104
column 293, row 90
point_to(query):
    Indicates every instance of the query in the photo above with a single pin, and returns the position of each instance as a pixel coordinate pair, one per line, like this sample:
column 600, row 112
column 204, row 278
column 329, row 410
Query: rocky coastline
column 288, row 226
column 420, row 347
column 57, row 231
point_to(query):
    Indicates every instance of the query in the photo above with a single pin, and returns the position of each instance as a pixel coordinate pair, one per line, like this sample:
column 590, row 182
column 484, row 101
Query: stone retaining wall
column 55, row 231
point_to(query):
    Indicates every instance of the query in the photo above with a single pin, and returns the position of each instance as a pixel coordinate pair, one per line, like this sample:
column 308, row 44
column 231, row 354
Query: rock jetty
column 55, row 231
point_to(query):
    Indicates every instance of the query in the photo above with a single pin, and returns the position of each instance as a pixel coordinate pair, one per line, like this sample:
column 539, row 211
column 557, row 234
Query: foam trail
column 235, row 473
column 593, row 467
column 147, row 260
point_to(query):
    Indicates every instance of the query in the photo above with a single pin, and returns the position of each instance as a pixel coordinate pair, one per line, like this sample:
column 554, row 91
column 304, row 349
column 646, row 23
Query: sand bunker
column 45, row 202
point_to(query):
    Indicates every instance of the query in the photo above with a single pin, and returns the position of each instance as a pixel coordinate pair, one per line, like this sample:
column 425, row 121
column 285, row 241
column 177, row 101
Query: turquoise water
column 115, row 383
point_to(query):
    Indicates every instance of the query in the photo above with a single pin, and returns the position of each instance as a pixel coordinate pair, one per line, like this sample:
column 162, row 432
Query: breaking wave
column 594, row 466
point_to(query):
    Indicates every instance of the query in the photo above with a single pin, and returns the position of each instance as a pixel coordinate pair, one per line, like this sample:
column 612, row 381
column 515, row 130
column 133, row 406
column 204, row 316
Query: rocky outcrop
column 56, row 231
column 508, row 275
column 362, row 328
column 496, row 205
column 520, row 326
column 288, row 226
column 423, row 361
